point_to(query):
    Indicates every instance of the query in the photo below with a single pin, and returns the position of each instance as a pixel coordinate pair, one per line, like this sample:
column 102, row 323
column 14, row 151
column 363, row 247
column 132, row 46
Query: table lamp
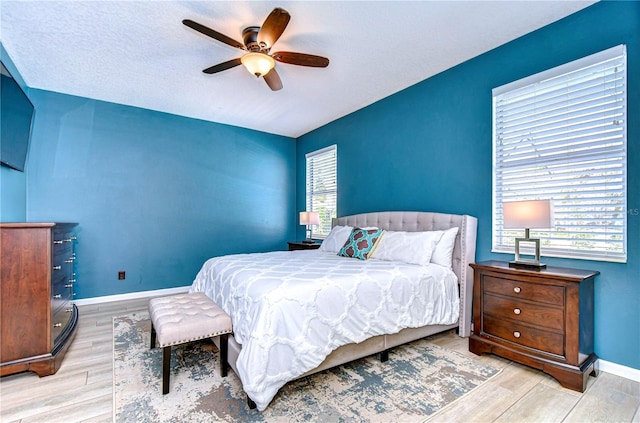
column 309, row 218
column 526, row 215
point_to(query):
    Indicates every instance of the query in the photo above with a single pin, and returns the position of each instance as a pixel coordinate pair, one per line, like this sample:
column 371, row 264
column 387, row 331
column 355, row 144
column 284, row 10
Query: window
column 322, row 188
column 561, row 135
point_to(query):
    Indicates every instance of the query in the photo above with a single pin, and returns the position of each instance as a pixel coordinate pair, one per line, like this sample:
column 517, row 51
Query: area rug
column 418, row 379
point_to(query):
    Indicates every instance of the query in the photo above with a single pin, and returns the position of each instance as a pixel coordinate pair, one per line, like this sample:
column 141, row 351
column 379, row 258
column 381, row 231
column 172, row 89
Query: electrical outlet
column 121, row 275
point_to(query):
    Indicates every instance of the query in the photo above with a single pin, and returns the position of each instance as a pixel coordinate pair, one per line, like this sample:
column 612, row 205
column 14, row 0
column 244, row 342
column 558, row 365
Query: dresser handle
column 72, row 281
column 70, row 285
column 517, row 311
column 516, row 289
column 68, row 239
column 69, row 261
column 58, row 241
column 57, row 267
column 57, row 325
column 57, row 296
column 516, row 334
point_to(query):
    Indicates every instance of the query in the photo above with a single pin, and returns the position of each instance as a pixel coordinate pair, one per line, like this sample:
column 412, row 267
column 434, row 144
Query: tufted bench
column 183, row 318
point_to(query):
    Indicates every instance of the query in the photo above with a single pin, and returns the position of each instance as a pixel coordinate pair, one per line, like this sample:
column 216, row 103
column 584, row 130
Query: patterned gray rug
column 419, row 379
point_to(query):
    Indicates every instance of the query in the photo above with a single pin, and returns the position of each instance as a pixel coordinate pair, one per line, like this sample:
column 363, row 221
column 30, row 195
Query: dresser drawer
column 63, row 261
column 62, row 242
column 524, row 335
column 527, row 291
column 521, row 311
column 59, row 321
column 61, row 294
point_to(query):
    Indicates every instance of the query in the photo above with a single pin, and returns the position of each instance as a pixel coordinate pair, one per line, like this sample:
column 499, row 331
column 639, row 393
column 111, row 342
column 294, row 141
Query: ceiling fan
column 258, row 41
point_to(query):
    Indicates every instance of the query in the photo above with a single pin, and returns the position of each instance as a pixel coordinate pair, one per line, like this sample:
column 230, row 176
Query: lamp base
column 530, row 265
column 524, row 263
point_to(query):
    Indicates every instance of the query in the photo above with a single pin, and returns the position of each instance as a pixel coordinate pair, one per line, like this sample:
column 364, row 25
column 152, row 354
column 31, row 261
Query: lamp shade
column 309, row 218
column 257, row 63
column 527, row 214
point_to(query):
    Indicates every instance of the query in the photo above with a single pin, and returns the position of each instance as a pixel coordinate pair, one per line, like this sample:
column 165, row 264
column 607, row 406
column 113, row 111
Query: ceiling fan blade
column 301, row 59
column 213, row 34
column 273, row 27
column 273, row 80
column 223, row 66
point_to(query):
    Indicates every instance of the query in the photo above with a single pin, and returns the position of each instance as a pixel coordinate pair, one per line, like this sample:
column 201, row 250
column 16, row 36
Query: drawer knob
column 516, row 334
column 59, row 241
column 57, row 296
column 69, row 261
column 57, row 267
column 57, row 325
column 517, row 311
column 70, row 285
column 516, row 289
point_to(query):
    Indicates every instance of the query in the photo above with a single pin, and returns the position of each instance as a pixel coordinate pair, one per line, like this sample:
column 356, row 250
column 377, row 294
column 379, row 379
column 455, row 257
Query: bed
column 299, row 312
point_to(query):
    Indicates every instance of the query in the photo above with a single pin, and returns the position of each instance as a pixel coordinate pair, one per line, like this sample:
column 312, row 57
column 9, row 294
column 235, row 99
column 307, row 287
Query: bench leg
column 153, row 337
column 166, row 367
column 384, row 356
column 224, row 353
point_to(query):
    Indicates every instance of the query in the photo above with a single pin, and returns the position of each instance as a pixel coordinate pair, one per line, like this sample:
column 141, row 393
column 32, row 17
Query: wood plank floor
column 82, row 390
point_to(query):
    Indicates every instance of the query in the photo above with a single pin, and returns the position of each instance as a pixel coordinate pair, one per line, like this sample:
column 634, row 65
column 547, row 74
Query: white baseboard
column 620, row 370
column 133, row 295
column 605, row 366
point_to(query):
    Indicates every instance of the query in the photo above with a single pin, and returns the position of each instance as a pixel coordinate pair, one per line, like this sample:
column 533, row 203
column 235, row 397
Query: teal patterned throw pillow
column 361, row 243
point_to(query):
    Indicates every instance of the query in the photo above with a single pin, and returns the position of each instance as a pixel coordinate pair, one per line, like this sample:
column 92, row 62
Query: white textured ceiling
column 139, row 53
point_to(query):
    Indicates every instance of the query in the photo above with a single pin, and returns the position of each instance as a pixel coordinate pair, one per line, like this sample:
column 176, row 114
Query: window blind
column 561, row 135
column 322, row 188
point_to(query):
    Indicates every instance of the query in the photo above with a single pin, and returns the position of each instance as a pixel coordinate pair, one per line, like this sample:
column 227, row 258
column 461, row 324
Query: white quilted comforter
column 291, row 309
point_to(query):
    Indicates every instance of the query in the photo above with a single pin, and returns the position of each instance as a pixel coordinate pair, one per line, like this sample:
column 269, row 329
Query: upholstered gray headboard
column 464, row 251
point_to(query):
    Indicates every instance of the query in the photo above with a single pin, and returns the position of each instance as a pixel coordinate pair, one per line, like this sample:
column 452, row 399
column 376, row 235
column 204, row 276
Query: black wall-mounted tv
column 16, row 118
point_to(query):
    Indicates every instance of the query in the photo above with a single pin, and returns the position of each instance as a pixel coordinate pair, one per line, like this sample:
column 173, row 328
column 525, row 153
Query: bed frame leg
column 250, row 403
column 384, row 356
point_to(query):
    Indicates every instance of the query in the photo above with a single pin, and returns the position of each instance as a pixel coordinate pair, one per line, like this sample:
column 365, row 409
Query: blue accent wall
column 155, row 194
column 429, row 148
column 13, row 184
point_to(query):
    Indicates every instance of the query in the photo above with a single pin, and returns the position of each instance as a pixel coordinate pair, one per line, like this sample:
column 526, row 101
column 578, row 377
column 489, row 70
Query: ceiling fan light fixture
column 258, row 64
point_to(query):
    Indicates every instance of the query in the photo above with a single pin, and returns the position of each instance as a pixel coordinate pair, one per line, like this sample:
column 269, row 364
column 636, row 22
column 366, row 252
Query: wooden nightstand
column 543, row 319
column 302, row 246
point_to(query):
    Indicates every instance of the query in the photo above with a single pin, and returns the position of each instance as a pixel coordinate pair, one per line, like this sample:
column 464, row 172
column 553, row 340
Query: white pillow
column 443, row 253
column 336, row 239
column 407, row 247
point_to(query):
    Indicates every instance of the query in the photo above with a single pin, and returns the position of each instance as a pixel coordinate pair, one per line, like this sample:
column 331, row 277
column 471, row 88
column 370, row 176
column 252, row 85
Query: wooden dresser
column 540, row 318
column 37, row 275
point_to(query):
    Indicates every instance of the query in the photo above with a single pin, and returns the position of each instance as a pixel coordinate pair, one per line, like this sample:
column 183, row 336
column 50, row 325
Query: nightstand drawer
column 520, row 311
column 533, row 292
column 524, row 335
